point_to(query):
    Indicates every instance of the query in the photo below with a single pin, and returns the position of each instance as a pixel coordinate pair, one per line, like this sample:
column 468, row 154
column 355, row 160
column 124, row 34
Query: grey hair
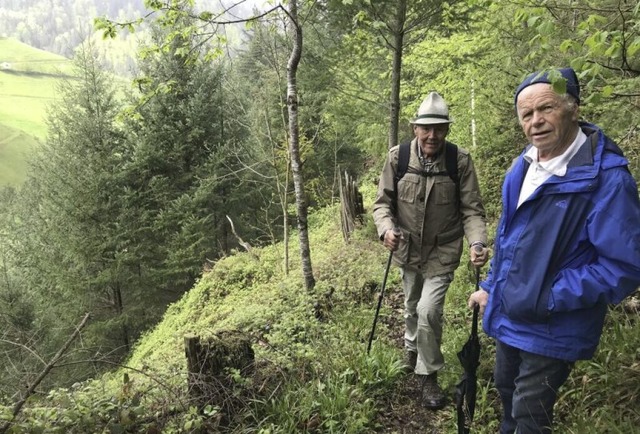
column 570, row 102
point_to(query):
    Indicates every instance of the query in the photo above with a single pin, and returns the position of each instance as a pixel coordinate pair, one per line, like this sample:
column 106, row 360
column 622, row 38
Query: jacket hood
column 606, row 151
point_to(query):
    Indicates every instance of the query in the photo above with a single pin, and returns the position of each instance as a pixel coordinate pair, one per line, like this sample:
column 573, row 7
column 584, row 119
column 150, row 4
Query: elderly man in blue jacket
column 567, row 245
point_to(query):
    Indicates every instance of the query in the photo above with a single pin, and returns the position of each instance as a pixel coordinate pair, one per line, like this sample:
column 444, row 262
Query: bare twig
column 33, row 353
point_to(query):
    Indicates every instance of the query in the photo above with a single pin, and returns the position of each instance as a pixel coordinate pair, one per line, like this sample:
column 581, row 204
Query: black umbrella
column 466, row 389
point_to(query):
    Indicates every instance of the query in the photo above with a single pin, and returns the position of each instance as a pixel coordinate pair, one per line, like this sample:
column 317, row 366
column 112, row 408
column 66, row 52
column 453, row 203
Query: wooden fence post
column 351, row 205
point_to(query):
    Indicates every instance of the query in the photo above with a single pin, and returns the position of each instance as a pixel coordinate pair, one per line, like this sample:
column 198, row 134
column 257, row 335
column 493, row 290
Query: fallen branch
column 45, row 371
column 243, row 243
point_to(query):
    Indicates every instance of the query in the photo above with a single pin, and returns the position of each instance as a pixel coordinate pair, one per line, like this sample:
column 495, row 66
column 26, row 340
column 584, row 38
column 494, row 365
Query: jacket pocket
column 445, row 191
column 449, row 246
column 449, row 236
column 404, row 248
column 527, row 301
column 531, row 298
column 408, row 188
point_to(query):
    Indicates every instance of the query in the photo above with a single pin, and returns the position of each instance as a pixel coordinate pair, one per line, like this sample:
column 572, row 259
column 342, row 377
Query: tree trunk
column 117, row 295
column 294, row 145
column 285, row 222
column 473, row 115
column 396, row 70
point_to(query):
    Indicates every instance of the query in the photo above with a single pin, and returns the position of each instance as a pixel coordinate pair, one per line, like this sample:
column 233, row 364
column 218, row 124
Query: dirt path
column 402, row 412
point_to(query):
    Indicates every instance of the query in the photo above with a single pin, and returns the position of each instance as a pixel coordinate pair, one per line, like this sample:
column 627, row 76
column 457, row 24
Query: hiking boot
column 432, row 395
column 410, row 360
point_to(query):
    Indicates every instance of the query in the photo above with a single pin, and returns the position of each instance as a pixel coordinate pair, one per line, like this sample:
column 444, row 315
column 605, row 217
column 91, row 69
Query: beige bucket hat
column 433, row 110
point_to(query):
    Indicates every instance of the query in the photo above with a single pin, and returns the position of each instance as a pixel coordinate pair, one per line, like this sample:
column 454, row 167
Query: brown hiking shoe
column 410, row 360
column 432, row 395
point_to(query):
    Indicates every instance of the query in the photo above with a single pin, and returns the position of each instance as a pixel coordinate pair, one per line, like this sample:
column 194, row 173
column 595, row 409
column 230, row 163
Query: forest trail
column 402, row 412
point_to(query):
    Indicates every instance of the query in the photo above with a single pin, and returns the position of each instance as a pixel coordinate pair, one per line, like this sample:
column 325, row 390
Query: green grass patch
column 15, row 148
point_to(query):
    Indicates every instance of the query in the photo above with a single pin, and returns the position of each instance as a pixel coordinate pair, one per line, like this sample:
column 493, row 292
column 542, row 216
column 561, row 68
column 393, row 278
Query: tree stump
column 351, row 205
column 215, row 364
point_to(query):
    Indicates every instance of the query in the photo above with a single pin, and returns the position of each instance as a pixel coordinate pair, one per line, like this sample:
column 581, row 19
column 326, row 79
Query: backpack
column 450, row 163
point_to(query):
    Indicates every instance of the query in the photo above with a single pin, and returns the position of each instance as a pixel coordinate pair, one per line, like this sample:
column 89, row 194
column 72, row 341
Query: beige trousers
column 423, row 316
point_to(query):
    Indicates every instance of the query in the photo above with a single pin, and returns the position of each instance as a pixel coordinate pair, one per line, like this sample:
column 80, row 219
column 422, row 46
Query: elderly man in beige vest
column 422, row 220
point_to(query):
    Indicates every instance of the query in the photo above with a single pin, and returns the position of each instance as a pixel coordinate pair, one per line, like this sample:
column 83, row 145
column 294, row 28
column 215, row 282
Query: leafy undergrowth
column 312, row 372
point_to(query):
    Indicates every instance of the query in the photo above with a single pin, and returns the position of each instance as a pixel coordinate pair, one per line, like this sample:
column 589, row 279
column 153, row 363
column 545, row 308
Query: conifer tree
column 176, row 200
column 64, row 242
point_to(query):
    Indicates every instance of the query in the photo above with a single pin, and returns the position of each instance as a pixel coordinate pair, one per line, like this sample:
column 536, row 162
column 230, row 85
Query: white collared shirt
column 540, row 171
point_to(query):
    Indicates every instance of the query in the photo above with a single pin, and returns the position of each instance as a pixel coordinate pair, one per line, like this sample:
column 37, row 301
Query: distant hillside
column 59, row 26
column 28, row 79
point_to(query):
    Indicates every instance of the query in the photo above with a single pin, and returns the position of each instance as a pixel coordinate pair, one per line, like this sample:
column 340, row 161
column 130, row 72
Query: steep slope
column 312, row 373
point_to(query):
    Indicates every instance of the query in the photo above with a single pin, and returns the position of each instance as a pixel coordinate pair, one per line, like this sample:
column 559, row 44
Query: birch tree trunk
column 294, row 145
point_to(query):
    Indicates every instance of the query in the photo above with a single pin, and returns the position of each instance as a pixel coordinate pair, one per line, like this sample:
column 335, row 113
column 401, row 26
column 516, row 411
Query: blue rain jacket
column 568, row 251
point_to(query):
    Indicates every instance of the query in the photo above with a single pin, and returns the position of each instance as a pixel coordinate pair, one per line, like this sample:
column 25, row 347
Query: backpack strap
column 403, row 162
column 404, row 152
column 451, row 163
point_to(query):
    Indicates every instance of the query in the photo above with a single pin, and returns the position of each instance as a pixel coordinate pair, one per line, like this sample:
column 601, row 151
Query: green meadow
column 28, row 80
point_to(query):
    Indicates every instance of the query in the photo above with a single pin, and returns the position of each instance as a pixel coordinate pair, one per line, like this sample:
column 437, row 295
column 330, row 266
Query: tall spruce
column 175, row 189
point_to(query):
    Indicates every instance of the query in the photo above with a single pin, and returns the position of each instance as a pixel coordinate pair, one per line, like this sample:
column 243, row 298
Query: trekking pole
column 375, row 318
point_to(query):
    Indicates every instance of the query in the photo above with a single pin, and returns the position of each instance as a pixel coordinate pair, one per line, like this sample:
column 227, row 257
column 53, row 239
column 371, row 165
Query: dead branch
column 43, row 374
column 243, row 243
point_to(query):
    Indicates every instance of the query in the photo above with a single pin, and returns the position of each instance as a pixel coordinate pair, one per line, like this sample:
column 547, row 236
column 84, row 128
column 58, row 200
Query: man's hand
column 478, row 298
column 479, row 255
column 392, row 239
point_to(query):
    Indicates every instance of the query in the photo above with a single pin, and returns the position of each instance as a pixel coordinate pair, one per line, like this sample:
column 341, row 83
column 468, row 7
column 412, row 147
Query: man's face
column 431, row 137
column 547, row 119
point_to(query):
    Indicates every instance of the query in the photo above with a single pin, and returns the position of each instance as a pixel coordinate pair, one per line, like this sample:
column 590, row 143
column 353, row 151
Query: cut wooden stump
column 215, row 365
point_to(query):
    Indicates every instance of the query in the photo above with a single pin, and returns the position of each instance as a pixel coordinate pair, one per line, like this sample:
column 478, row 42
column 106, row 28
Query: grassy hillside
column 15, row 146
column 312, row 373
column 28, row 79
